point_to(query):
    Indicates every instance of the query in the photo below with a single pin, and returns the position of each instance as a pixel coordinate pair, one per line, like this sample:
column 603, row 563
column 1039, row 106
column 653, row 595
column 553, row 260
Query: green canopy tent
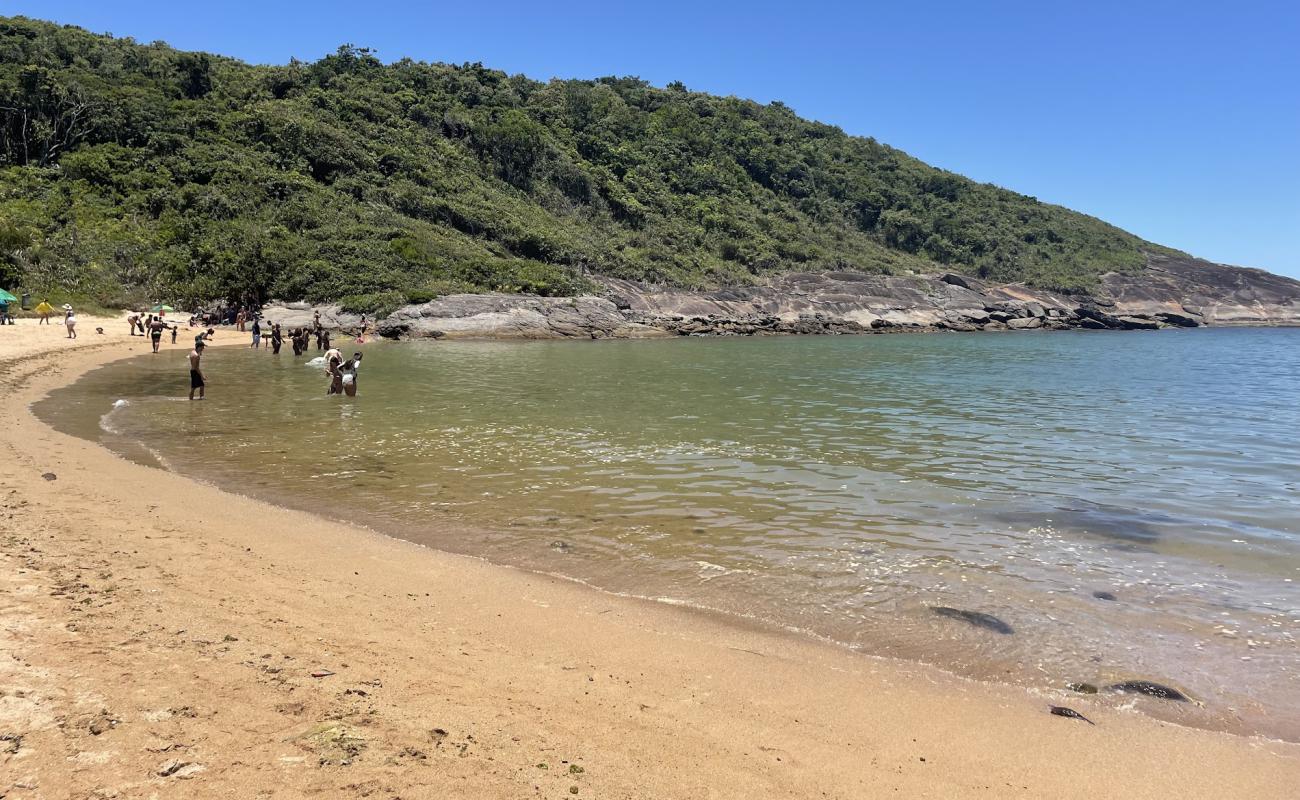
column 162, row 307
column 5, row 297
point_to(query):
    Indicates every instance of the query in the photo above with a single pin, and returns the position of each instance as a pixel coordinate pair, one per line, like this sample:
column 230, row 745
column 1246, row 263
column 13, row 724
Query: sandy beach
column 162, row 638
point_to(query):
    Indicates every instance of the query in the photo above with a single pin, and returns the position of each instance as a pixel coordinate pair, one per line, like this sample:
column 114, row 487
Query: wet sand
column 160, row 637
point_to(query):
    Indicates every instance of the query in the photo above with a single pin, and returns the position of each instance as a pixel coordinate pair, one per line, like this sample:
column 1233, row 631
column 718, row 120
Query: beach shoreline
column 163, row 631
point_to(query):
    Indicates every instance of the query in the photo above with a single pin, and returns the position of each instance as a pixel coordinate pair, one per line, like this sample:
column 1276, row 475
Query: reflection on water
column 839, row 486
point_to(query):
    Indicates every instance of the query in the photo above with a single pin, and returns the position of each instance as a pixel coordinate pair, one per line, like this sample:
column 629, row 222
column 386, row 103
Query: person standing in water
column 334, row 368
column 196, row 371
column 257, row 333
column 349, row 373
column 277, row 339
column 156, row 328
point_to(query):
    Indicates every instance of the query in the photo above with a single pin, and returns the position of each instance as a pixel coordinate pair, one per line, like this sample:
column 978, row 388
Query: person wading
column 196, row 371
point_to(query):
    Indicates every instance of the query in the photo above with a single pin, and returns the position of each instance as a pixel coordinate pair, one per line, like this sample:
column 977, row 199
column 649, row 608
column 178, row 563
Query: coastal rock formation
column 1178, row 292
column 505, row 316
column 302, row 315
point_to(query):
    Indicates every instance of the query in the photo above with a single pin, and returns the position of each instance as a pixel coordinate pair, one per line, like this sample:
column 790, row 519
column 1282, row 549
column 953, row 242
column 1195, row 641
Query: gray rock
column 1173, row 291
column 1138, row 323
column 503, row 316
column 1025, row 323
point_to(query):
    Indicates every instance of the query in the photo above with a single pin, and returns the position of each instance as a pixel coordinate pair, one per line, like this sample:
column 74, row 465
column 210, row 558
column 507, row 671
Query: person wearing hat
column 196, row 371
column 70, row 320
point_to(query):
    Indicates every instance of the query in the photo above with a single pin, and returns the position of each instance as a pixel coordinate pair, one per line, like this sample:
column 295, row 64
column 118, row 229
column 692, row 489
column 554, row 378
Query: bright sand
column 151, row 624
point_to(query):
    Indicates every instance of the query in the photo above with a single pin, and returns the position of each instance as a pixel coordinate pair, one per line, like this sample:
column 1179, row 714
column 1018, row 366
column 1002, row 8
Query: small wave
column 106, row 420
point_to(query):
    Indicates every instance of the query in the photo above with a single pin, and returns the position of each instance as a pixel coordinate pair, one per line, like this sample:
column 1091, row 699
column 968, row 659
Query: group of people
column 151, row 326
column 45, row 311
column 239, row 316
column 342, row 372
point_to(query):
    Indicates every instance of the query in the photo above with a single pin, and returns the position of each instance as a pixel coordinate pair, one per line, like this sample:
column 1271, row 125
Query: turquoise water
column 838, row 486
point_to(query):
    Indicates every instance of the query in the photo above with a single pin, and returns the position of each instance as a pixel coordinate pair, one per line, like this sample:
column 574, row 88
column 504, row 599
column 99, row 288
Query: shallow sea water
column 837, row 486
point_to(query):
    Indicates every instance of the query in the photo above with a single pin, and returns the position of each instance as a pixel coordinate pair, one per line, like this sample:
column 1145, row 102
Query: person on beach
column 70, row 320
column 240, row 317
column 257, row 334
column 131, row 320
column 156, row 328
column 196, row 371
column 205, row 336
column 175, row 327
column 45, row 310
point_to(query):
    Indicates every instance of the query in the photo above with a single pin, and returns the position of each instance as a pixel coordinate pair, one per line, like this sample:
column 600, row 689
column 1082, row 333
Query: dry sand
column 158, row 638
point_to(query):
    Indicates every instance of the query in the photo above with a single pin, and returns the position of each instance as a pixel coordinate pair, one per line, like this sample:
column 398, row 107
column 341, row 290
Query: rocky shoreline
column 1171, row 293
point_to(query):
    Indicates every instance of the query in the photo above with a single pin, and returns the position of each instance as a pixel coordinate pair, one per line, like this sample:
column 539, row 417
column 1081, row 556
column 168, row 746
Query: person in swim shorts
column 196, row 371
column 156, row 328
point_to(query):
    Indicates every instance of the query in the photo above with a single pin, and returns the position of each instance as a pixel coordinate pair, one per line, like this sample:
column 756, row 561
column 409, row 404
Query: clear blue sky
column 1179, row 121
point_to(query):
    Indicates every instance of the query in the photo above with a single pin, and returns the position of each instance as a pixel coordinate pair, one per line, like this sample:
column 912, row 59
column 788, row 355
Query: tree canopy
column 130, row 168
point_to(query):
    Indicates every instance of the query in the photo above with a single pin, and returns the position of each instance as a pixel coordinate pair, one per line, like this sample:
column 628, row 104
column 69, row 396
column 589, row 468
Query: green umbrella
column 162, row 307
column 5, row 297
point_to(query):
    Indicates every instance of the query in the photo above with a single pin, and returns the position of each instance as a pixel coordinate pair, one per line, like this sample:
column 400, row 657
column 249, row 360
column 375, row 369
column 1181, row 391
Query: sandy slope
column 150, row 625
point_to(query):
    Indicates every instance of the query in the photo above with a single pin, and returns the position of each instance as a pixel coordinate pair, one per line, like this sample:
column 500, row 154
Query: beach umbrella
column 5, row 297
column 162, row 307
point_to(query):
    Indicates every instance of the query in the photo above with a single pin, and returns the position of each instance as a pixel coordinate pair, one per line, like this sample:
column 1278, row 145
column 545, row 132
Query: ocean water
column 840, row 487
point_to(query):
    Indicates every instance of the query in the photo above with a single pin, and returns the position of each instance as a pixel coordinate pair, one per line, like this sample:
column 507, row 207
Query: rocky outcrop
column 504, row 316
column 1172, row 292
column 299, row 315
column 1180, row 291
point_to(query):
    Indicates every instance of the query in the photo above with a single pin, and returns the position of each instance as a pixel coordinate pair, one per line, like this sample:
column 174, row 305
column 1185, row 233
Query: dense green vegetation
column 132, row 171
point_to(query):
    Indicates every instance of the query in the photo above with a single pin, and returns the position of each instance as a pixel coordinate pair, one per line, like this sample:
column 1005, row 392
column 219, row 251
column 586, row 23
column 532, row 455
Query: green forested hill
column 131, row 171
